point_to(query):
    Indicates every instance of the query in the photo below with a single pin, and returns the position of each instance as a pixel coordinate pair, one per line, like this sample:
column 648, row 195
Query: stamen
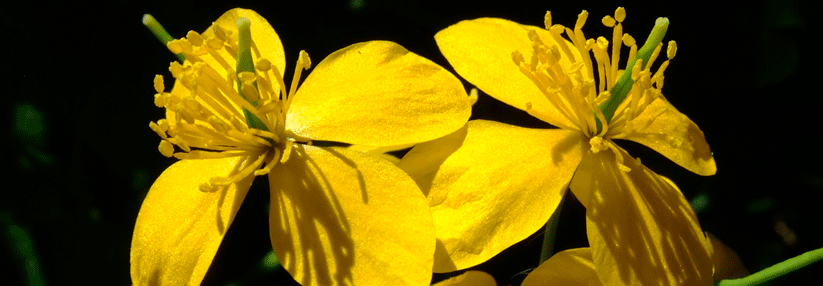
column 166, row 148
column 159, row 32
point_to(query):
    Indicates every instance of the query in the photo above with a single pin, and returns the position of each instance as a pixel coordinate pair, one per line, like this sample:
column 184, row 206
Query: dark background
column 78, row 157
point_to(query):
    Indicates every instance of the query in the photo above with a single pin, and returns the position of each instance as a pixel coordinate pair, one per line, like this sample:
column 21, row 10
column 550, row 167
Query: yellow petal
column 469, row 278
column 480, row 51
column 573, row 267
column 342, row 217
column 378, row 93
column 501, row 185
column 641, row 229
column 179, row 228
column 675, row 136
column 263, row 35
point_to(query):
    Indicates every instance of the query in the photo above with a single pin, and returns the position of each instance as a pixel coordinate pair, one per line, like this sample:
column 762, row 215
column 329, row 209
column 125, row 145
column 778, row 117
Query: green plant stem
column 777, row 270
column 550, row 233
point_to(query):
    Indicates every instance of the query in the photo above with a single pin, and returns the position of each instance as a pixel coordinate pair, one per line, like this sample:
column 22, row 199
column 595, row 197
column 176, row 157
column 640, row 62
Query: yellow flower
column 491, row 185
column 338, row 217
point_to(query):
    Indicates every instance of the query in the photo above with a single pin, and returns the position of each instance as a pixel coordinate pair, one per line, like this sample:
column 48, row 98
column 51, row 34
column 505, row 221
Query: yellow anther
column 207, row 188
column 517, row 57
column 219, row 181
column 156, row 128
column 473, row 96
column 221, row 33
column 166, row 148
column 623, row 168
column 608, row 21
column 217, row 124
column 602, row 42
column 163, row 124
column 671, row 50
column 598, row 144
column 214, row 43
column 305, row 60
column 557, row 29
column 175, row 46
column 159, row 87
column 160, row 100
column 250, row 92
column 191, row 105
column 581, row 19
column 194, row 38
column 263, row 65
column 286, row 151
column 176, row 69
column 620, row 14
column 638, row 67
column 628, row 40
column 247, row 77
column 547, row 20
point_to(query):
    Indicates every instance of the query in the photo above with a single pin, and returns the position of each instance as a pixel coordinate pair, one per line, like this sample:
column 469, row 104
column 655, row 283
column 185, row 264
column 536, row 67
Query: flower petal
column 480, row 51
column 501, row 185
column 263, row 35
column 342, row 217
column 641, row 229
column 179, row 227
column 569, row 267
column 675, row 136
column 469, row 278
column 377, row 94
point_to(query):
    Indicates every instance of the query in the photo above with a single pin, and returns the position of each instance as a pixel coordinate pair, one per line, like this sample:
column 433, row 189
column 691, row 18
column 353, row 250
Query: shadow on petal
column 641, row 229
column 309, row 233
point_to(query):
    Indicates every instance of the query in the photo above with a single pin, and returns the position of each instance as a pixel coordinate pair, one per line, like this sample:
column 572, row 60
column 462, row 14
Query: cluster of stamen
column 210, row 115
column 567, row 79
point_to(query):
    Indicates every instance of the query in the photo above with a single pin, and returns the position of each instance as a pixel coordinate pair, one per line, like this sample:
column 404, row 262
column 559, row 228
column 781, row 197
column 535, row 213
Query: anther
column 194, row 38
column 620, row 14
column 158, row 83
column 671, row 50
column 608, row 21
column 628, row 40
column 547, row 20
column 166, row 148
column 581, row 19
column 156, row 128
column 263, row 65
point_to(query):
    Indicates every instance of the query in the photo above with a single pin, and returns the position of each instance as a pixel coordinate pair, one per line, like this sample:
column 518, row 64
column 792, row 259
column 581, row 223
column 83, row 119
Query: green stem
column 623, row 86
column 550, row 233
column 160, row 33
column 777, row 270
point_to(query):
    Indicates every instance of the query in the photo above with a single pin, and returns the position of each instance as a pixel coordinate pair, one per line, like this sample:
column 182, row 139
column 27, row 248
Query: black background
column 78, row 157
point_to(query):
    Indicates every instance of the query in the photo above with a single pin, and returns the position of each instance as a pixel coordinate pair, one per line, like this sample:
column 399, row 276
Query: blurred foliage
column 79, row 157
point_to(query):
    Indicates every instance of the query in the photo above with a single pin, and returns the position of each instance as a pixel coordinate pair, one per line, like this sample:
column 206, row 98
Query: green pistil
column 246, row 64
column 624, row 85
column 160, row 33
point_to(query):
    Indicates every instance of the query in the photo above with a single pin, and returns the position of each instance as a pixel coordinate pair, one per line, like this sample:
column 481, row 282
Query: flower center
column 216, row 112
column 606, row 104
